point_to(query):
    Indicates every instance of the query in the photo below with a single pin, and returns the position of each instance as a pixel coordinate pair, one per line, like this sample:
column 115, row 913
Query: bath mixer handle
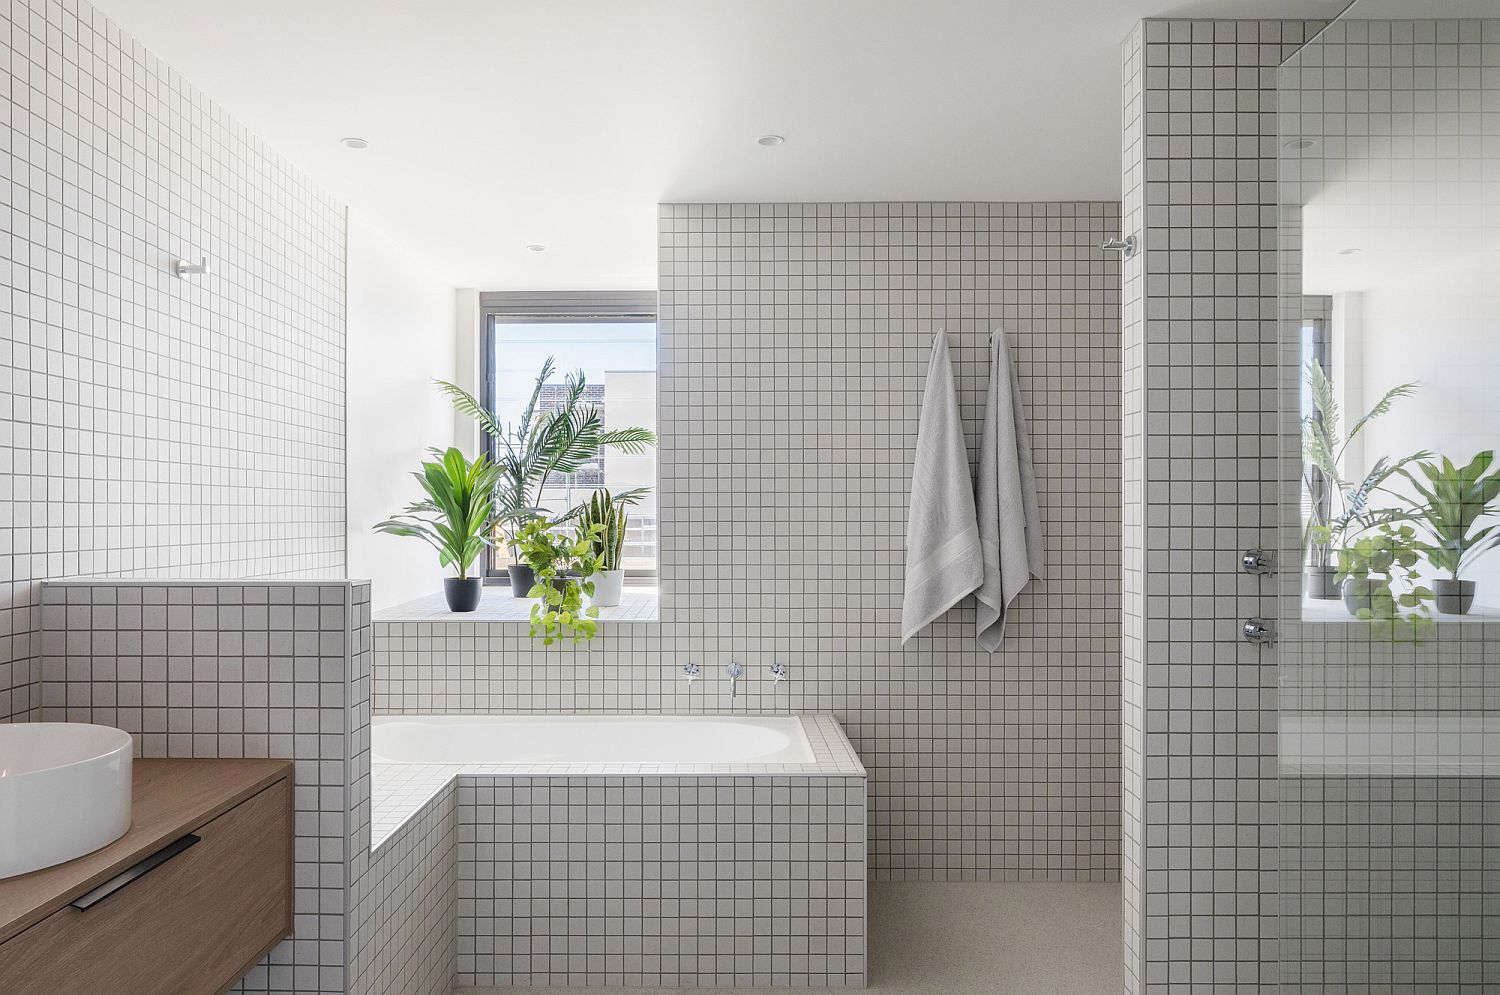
column 691, row 672
column 778, row 673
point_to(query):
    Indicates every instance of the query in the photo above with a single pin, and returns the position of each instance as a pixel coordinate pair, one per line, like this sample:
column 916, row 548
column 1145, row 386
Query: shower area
column 1389, row 592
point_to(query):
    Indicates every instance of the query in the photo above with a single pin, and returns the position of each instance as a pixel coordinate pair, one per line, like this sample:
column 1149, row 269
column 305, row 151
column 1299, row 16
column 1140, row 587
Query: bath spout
column 735, row 672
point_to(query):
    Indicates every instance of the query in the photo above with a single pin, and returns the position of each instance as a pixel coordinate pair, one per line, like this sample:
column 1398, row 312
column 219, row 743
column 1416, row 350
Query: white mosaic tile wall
column 793, row 345
column 236, row 669
column 153, row 426
column 665, row 881
column 1201, row 173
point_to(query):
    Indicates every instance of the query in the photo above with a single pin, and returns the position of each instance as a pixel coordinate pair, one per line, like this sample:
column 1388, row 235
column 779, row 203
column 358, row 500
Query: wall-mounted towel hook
column 184, row 268
column 1127, row 245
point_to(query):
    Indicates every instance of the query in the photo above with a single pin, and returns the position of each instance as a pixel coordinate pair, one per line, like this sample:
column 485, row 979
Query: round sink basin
column 64, row 792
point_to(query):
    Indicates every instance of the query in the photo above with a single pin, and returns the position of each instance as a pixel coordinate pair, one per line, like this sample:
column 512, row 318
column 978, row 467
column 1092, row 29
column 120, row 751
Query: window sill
column 637, row 604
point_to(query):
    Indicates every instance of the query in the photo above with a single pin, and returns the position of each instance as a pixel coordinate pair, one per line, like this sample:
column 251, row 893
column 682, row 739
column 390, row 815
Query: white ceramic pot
column 608, row 586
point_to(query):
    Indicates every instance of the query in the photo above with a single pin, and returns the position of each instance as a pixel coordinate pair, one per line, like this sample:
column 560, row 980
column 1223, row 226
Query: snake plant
column 608, row 515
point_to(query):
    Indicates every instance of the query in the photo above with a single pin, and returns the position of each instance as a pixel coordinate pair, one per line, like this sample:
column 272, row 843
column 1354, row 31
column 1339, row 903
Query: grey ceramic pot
column 463, row 592
column 522, row 577
column 1356, row 593
column 1454, row 597
column 1321, row 583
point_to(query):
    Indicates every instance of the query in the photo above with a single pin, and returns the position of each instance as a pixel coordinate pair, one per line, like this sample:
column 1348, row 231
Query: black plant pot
column 522, row 577
column 462, row 592
column 1321, row 583
column 1454, row 597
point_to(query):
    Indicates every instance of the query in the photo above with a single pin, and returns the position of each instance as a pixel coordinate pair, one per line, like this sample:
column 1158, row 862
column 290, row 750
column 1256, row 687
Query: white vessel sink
column 64, row 792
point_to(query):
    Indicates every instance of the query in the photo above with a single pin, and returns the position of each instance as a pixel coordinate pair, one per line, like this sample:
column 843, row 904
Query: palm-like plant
column 1453, row 500
column 455, row 516
column 1323, row 448
column 543, row 443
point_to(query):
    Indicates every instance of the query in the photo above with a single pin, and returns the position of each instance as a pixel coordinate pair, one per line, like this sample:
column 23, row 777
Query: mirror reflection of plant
column 455, row 516
column 1323, row 449
column 542, row 443
column 563, row 564
column 1452, row 501
column 1376, row 561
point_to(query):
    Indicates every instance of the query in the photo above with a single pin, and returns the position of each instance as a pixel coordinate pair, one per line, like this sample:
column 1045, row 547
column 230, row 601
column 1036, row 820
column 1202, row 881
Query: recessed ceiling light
column 1347, row 252
column 354, row 143
column 536, row 247
column 770, row 141
column 1301, row 144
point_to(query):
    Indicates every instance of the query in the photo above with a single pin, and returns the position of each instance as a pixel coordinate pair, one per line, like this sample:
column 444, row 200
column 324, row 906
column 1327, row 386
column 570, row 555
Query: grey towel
column 943, row 558
column 1010, row 525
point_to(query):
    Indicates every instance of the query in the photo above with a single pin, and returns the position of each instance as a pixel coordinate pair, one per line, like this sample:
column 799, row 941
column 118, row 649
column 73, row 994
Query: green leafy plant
column 455, row 516
column 563, row 564
column 542, row 443
column 604, row 518
column 1376, row 561
column 1348, row 511
column 1453, row 500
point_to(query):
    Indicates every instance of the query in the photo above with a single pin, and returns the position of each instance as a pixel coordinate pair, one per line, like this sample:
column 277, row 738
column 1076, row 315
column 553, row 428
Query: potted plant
column 538, row 445
column 1452, row 501
column 1338, row 507
column 564, row 565
column 1370, row 567
column 454, row 519
column 604, row 519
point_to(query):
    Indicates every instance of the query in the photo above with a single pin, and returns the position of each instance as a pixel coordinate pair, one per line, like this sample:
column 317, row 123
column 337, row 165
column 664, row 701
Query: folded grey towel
column 1010, row 524
column 943, row 558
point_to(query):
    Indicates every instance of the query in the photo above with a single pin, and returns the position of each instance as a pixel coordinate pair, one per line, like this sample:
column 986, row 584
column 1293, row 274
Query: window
column 611, row 338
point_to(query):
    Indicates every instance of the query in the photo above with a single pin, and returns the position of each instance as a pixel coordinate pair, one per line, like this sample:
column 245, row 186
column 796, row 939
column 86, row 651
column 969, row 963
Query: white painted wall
column 1439, row 326
column 401, row 337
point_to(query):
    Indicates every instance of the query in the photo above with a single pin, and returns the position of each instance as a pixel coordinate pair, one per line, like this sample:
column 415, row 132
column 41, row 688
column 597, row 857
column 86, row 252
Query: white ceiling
column 498, row 123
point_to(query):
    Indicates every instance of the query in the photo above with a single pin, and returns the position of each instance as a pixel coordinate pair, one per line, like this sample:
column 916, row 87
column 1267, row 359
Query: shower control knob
column 1258, row 630
column 1254, row 561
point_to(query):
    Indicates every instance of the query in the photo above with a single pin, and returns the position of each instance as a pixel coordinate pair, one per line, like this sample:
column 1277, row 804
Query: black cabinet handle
column 141, row 869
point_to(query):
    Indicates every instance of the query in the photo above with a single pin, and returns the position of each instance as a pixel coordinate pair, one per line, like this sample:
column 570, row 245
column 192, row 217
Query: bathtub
column 654, row 830
column 469, row 740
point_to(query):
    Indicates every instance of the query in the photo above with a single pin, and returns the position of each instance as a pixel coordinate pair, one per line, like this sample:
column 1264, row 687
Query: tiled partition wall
column 152, row 425
column 242, row 669
column 793, row 342
column 1201, row 378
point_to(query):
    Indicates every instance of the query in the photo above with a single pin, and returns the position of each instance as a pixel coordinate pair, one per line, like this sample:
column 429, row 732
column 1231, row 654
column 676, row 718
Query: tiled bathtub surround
column 793, row 344
column 717, row 881
column 154, row 425
column 236, row 669
column 649, row 874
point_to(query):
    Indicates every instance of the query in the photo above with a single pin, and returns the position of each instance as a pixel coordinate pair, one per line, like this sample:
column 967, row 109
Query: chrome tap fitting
column 778, row 673
column 735, row 672
column 691, row 672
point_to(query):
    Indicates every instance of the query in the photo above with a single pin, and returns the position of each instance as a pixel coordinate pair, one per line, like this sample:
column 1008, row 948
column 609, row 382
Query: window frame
column 563, row 308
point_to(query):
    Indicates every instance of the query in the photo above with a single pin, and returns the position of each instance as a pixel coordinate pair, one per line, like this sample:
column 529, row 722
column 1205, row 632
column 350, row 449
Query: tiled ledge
column 637, row 604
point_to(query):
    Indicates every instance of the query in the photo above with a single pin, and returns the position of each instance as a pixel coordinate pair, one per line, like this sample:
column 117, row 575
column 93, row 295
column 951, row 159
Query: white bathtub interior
column 589, row 739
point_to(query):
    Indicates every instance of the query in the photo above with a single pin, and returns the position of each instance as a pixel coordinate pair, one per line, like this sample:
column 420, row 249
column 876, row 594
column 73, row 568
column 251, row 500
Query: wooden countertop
column 169, row 798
